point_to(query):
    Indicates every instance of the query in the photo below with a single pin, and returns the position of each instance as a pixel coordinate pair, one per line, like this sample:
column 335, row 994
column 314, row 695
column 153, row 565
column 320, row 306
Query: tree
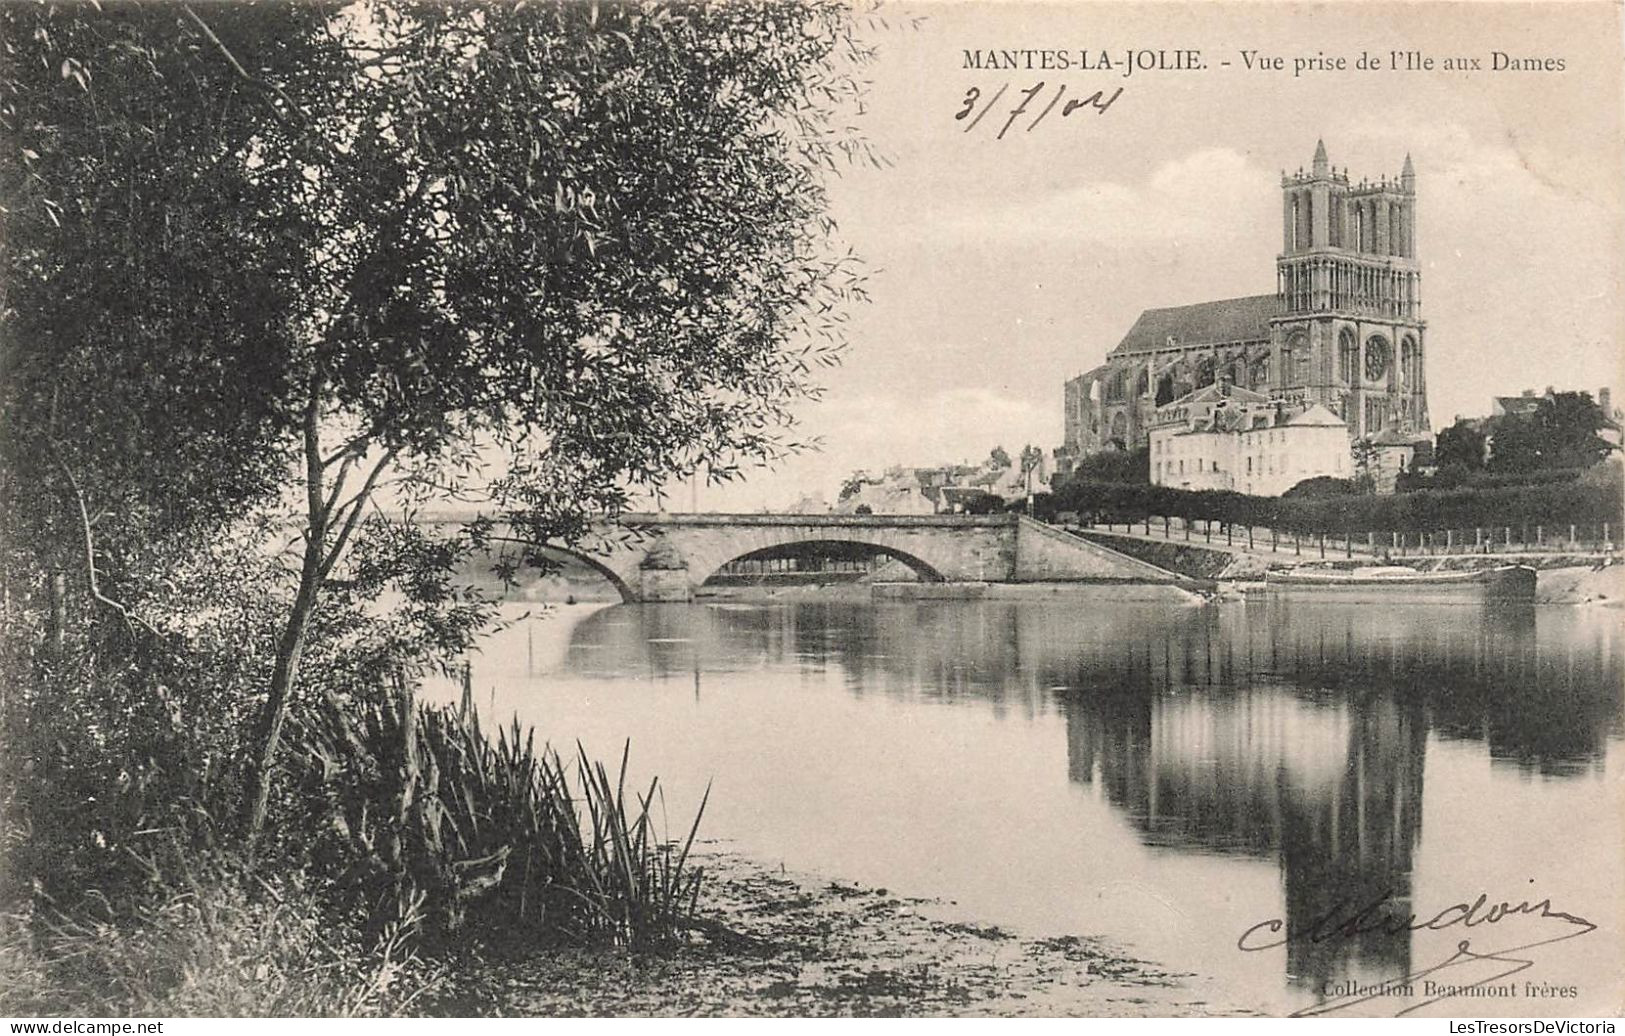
column 1366, row 456
column 854, row 485
column 1319, row 487
column 1460, row 447
column 981, row 503
column 1032, row 458
column 1115, row 466
column 1561, row 433
column 540, row 257
column 998, row 458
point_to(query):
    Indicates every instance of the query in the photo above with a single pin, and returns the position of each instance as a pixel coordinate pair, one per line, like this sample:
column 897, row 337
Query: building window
column 1296, row 360
column 1348, row 356
column 1260, row 372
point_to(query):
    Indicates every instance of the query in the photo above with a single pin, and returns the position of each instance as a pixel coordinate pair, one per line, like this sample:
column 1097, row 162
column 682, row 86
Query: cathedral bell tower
column 1349, row 333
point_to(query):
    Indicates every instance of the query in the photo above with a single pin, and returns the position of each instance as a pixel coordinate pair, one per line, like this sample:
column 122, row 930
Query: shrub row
column 1580, row 502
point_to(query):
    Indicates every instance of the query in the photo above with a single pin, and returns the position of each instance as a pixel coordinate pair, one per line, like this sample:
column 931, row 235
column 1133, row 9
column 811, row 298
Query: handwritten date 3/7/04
column 1035, row 102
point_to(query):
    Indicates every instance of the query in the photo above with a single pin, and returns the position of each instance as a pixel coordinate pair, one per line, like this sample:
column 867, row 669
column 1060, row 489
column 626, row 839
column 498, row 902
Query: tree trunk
column 267, row 735
column 56, row 633
column 268, row 731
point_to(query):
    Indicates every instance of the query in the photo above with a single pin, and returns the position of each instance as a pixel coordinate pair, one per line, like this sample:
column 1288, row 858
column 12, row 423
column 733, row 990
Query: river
column 1169, row 776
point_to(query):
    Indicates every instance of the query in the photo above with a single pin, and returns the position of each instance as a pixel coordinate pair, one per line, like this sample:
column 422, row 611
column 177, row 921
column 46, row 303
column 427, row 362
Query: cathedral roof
column 1316, row 416
column 1216, row 392
column 1204, row 323
column 1391, row 437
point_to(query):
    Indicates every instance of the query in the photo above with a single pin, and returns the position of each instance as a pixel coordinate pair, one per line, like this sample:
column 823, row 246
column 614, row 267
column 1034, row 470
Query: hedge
column 1584, row 502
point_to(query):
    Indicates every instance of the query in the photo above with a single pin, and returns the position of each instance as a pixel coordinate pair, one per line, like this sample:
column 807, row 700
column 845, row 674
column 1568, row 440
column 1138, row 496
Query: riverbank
column 781, row 943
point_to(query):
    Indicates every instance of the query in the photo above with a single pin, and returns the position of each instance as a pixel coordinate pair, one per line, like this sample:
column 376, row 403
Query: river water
column 1168, row 776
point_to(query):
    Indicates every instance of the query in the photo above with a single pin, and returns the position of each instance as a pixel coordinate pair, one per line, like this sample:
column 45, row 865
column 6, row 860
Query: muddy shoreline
column 774, row 942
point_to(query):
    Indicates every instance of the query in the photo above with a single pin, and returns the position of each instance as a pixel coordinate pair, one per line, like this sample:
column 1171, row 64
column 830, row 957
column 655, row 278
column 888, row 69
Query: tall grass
column 425, row 820
column 206, row 936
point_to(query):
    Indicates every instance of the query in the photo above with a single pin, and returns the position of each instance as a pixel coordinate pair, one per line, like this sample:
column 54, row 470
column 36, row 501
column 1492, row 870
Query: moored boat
column 1504, row 583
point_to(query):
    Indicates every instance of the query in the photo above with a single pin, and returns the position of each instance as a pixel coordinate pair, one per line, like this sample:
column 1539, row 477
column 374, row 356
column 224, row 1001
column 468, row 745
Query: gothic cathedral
column 1343, row 328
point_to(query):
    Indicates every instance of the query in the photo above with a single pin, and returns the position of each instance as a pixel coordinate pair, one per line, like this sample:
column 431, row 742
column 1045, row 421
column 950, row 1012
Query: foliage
column 854, row 485
column 1562, row 433
column 981, row 503
column 1365, row 454
column 1117, row 466
column 1041, row 506
column 1454, row 477
column 1460, row 447
column 1320, row 486
column 423, row 820
column 1031, row 458
column 114, row 730
column 427, row 259
column 1586, row 502
column 204, row 938
column 998, row 458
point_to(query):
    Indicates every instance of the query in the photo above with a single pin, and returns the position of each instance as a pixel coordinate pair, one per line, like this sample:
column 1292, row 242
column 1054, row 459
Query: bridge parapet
column 859, row 521
column 668, row 556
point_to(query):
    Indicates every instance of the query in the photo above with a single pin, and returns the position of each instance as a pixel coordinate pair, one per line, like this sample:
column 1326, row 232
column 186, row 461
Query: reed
column 425, row 820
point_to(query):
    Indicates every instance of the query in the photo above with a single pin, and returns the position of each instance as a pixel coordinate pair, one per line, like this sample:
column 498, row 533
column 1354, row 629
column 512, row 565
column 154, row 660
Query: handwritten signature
column 1340, row 922
column 974, row 108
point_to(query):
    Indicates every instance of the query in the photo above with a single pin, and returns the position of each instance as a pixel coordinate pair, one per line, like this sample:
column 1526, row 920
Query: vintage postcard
column 1085, row 509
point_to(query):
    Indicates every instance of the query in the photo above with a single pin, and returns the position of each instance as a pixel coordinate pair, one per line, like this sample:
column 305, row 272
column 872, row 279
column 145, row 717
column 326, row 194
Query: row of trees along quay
column 1479, row 540
column 335, row 261
column 1546, row 481
column 1545, row 510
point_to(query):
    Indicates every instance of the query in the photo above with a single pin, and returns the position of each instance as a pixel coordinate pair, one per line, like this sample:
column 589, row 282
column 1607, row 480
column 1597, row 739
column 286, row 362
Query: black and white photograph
column 811, row 508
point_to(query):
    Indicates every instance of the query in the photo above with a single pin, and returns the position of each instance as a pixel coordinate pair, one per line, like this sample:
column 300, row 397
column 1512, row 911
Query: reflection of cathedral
column 1265, row 732
column 1342, row 329
column 1331, row 791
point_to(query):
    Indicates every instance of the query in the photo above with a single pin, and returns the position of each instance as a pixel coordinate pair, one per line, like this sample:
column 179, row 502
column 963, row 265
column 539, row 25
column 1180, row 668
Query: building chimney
column 1605, row 400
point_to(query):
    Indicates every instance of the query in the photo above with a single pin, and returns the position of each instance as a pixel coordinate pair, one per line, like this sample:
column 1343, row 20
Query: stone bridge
column 664, row 557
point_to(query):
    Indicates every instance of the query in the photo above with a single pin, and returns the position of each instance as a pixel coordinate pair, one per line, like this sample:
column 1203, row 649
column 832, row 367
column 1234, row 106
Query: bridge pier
column 663, row 574
column 664, row 584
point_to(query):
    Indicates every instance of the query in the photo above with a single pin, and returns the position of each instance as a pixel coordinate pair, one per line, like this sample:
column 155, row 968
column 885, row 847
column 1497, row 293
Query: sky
column 999, row 268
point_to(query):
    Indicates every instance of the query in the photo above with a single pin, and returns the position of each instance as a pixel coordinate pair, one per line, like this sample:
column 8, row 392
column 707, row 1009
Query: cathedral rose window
column 1376, row 357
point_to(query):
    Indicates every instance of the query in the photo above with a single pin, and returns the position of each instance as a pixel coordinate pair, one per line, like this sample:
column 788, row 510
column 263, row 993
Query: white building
column 1225, row 437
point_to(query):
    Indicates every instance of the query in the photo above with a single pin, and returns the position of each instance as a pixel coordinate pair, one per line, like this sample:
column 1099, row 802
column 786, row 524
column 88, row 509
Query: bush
column 1459, row 478
column 424, row 822
column 1320, row 486
column 1119, row 466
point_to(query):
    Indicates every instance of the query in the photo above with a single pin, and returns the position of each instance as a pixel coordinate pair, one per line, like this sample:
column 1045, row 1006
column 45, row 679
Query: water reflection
column 1545, row 702
column 1293, row 735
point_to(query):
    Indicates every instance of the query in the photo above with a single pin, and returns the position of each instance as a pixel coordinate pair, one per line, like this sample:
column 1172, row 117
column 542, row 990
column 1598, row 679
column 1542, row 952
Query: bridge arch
column 597, row 564
column 927, row 572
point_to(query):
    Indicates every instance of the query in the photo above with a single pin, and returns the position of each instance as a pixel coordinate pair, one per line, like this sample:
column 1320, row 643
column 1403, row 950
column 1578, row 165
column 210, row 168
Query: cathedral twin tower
column 1343, row 328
